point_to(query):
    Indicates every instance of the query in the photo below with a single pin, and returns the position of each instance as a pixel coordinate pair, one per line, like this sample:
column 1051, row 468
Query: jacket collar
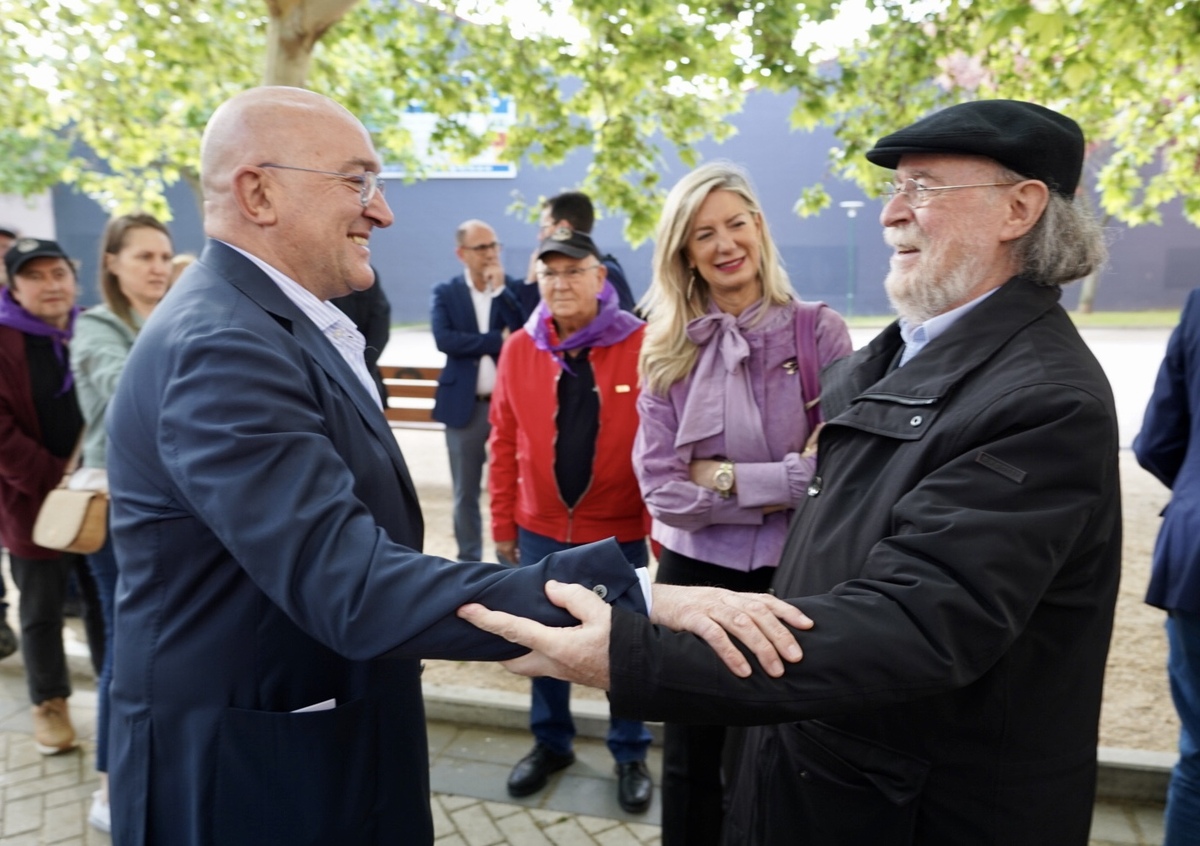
column 947, row 361
column 242, row 273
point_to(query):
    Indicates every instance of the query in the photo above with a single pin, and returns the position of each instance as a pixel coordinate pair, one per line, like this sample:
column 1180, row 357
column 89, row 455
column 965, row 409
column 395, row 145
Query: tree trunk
column 1087, row 294
column 295, row 27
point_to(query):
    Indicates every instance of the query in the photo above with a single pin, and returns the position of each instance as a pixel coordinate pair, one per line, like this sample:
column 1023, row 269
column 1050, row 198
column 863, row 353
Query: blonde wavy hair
column 677, row 293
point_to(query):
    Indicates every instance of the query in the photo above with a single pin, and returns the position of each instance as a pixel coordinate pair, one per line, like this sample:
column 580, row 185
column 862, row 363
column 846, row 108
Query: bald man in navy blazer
column 273, row 604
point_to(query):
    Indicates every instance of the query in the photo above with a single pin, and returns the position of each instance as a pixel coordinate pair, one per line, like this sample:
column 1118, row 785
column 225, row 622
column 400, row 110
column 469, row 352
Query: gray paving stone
column 453, row 803
column 568, row 833
column 476, row 827
column 76, row 793
column 617, row 836
column 439, row 734
column 595, row 825
column 442, row 824
column 521, row 828
column 42, row 785
column 645, row 833
column 22, row 815
column 29, row 772
column 65, row 822
column 479, row 779
column 1110, row 824
column 1149, row 822
column 500, row 810
column 27, row 839
column 478, row 744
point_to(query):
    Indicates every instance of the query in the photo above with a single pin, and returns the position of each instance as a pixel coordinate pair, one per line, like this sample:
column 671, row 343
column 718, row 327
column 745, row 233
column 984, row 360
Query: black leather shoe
column 531, row 772
column 634, row 787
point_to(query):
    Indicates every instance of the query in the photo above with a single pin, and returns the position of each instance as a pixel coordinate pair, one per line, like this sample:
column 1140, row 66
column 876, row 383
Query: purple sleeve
column 662, row 473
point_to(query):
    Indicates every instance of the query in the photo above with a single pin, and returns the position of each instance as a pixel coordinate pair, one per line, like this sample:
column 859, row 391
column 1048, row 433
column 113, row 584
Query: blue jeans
column 103, row 564
column 550, row 712
column 1183, row 667
column 467, row 446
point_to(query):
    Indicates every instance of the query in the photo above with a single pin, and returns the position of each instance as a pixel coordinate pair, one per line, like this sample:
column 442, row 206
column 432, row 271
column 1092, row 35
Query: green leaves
column 137, row 81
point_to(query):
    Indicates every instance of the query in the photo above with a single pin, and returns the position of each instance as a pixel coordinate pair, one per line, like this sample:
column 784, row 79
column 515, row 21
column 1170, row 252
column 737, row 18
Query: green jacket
column 98, row 352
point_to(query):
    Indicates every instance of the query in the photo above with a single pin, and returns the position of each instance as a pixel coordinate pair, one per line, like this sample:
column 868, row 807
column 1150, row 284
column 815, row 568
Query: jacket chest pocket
column 892, row 416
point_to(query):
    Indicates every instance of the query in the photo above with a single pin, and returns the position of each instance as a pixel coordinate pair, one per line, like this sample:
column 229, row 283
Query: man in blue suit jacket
column 273, row 604
column 471, row 315
column 1169, row 447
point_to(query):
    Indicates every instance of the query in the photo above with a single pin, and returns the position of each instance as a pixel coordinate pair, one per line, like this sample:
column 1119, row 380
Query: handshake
column 580, row 654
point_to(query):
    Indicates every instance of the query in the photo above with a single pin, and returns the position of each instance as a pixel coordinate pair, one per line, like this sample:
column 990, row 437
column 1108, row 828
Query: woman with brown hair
column 135, row 272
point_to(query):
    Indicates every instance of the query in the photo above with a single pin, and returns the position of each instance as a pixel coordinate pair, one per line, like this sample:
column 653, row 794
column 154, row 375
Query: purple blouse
column 765, row 446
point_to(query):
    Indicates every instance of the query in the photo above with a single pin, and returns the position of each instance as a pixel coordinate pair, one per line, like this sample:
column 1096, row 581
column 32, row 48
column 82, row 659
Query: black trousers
column 43, row 586
column 693, row 809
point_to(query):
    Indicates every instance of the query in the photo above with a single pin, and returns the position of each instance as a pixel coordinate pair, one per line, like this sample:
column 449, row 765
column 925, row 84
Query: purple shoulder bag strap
column 809, row 360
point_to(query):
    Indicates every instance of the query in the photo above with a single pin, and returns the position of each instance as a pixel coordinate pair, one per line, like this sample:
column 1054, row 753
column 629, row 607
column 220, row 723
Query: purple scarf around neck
column 14, row 316
column 610, row 326
column 720, row 398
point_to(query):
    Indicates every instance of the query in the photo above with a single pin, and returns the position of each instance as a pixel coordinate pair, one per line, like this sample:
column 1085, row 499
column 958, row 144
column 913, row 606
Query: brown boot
column 52, row 729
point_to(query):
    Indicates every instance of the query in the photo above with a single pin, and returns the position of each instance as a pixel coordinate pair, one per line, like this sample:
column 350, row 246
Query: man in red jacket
column 565, row 396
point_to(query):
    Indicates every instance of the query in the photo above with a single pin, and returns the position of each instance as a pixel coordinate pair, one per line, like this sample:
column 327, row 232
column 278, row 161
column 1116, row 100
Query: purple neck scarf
column 720, row 399
column 14, row 316
column 610, row 326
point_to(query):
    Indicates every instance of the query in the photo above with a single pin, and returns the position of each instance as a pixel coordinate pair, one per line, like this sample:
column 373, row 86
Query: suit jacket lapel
column 251, row 281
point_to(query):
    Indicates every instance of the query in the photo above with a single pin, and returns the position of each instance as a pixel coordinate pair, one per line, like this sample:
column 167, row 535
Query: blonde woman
column 135, row 271
column 729, row 369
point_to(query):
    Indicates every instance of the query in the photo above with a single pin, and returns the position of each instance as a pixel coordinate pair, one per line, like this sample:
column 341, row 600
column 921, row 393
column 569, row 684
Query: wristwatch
column 723, row 479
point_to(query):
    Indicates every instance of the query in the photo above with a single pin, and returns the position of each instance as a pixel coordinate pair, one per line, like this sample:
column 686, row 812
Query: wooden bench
column 410, row 392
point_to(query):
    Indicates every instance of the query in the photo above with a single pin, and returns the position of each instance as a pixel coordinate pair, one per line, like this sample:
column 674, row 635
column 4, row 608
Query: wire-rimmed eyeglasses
column 479, row 249
column 370, row 181
column 917, row 195
column 570, row 275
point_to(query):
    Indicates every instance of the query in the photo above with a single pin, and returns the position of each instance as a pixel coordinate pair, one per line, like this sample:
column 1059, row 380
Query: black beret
column 1034, row 141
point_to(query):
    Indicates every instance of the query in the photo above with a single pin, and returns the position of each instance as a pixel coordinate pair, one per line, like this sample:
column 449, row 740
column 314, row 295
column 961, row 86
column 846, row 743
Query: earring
column 691, row 284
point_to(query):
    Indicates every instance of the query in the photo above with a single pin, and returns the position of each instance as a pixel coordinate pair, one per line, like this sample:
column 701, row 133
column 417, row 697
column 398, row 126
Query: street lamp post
column 851, row 207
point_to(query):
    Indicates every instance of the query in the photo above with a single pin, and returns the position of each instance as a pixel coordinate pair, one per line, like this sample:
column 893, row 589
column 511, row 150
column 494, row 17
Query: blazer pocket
column 306, row 778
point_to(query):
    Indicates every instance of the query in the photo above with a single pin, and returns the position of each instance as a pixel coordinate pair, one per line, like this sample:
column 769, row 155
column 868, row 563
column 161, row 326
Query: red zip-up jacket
column 524, row 491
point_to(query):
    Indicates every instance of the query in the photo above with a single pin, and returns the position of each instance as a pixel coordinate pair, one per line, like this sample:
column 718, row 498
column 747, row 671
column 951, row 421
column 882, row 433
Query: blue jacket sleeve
column 1162, row 443
column 454, row 329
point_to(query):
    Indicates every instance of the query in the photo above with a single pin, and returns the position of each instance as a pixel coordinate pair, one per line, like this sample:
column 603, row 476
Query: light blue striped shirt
column 333, row 323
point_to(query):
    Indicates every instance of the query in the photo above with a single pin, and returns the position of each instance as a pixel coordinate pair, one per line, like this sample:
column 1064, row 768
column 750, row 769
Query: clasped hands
column 580, row 653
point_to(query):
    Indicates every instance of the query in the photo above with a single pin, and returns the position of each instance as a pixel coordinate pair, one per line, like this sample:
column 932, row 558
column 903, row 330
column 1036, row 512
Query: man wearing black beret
column 959, row 549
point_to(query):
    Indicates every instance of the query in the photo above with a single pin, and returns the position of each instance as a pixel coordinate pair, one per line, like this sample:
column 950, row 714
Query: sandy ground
column 1137, row 709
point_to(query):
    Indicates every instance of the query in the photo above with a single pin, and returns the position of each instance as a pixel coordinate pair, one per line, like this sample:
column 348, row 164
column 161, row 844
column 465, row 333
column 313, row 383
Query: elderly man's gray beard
column 934, row 286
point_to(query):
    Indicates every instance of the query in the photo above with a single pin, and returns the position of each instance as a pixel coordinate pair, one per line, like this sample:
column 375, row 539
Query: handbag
column 71, row 520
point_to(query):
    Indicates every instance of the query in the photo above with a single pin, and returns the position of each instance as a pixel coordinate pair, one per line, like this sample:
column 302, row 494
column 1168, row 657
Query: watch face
column 723, row 479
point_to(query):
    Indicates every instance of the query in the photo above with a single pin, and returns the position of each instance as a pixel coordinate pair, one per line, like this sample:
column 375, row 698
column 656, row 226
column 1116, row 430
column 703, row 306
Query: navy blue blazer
column 267, row 535
column 1169, row 447
column 456, row 333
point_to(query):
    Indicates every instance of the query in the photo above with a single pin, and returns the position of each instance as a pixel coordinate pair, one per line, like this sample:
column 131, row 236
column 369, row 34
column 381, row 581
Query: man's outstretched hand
column 580, row 654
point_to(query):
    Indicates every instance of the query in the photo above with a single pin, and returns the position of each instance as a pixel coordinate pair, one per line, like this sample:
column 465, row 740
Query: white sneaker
column 99, row 815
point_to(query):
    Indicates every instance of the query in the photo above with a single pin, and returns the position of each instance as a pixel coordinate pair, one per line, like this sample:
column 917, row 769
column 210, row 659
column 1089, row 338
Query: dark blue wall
column 1151, row 267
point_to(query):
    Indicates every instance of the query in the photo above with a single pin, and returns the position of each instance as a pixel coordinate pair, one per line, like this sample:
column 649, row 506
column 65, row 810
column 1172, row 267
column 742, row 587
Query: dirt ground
column 1137, row 712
